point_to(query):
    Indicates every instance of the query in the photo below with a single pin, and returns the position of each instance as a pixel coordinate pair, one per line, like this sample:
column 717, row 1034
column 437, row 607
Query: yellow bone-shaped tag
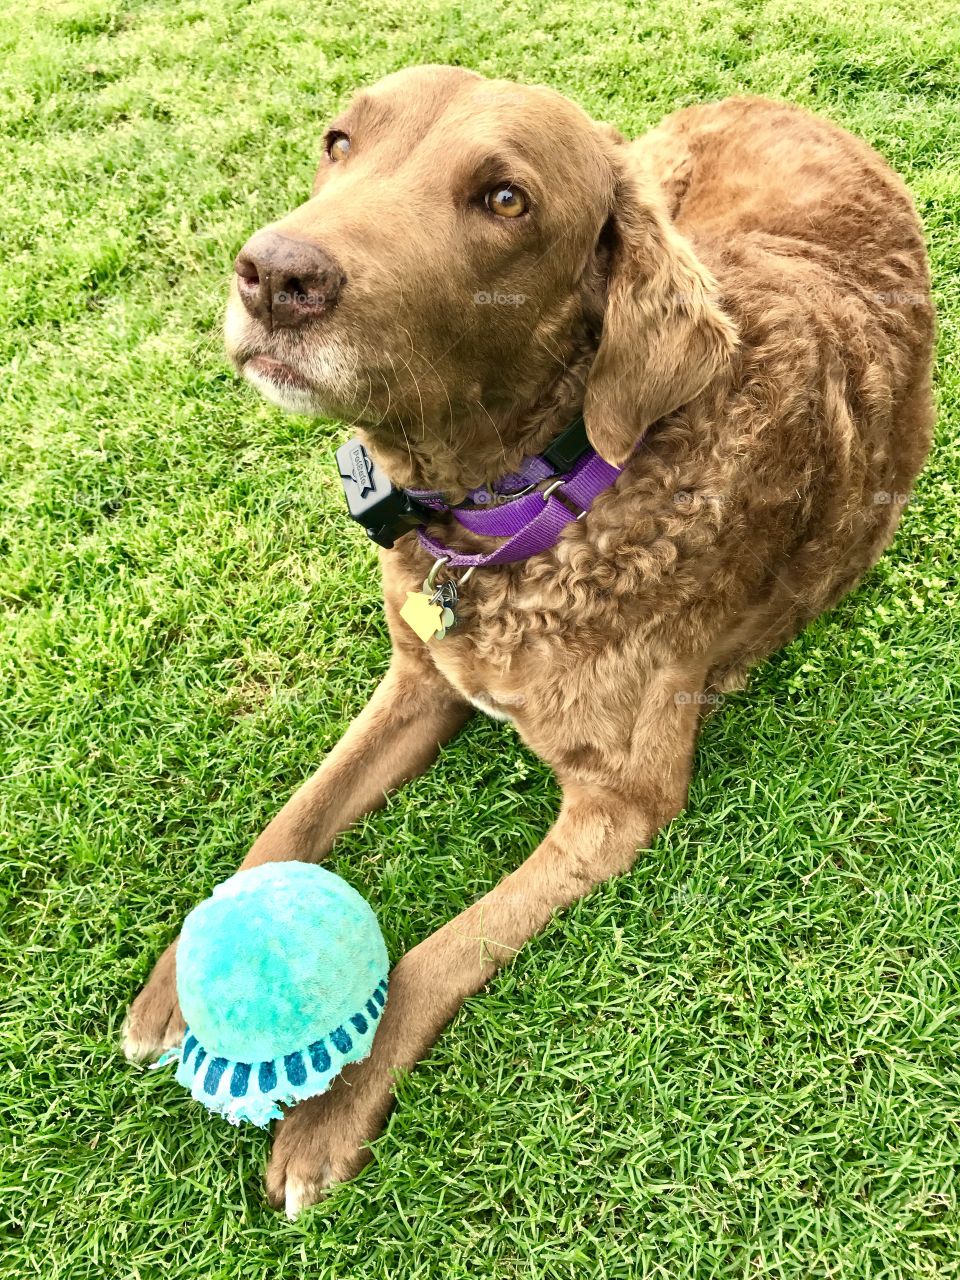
column 421, row 613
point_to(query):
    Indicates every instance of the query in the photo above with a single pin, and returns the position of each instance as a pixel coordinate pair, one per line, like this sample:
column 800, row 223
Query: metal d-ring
column 435, row 569
column 567, row 500
column 437, row 566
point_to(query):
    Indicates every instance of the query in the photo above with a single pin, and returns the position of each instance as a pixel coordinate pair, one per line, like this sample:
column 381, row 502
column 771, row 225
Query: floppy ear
column 663, row 336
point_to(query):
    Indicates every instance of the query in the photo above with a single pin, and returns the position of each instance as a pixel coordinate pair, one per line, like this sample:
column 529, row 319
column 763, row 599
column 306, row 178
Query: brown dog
column 738, row 304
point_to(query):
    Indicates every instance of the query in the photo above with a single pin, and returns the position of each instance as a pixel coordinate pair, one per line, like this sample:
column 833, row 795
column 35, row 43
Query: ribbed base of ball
column 252, row 1092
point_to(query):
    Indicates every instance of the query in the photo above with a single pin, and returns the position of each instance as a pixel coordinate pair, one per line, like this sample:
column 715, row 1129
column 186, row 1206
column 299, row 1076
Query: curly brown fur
column 739, row 304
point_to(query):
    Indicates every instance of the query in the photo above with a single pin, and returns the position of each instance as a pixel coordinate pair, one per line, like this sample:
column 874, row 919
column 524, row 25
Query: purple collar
column 530, row 519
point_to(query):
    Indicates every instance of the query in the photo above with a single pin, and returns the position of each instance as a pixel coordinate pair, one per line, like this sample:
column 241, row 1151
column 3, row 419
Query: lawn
column 739, row 1061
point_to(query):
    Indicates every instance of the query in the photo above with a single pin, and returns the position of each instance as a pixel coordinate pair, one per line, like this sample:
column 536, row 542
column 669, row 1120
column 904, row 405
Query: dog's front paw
column 321, row 1142
column 154, row 1021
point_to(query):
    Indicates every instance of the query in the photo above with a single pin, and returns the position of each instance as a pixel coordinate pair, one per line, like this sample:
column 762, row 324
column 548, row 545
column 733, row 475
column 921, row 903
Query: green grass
column 739, row 1061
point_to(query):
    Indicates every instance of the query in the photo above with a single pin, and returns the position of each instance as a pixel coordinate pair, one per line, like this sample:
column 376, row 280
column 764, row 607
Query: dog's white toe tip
column 296, row 1197
column 134, row 1049
column 137, row 1048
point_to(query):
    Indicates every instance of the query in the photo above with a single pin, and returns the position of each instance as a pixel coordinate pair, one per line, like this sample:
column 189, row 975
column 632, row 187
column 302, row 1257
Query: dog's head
column 464, row 238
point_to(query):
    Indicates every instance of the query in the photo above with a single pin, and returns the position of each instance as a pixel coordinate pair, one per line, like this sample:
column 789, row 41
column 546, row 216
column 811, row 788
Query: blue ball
column 282, row 977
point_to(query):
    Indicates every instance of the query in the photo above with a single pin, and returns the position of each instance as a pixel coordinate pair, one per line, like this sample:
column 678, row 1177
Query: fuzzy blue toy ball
column 282, row 977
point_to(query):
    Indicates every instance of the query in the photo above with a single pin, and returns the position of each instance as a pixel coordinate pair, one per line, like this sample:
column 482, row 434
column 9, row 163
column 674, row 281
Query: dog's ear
column 664, row 337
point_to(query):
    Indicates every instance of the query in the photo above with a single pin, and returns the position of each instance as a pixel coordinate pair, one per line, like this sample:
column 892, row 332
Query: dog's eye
column 506, row 202
column 338, row 146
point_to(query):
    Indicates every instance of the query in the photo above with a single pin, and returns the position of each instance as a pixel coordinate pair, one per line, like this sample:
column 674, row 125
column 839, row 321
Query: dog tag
column 447, row 620
column 423, row 614
column 445, row 595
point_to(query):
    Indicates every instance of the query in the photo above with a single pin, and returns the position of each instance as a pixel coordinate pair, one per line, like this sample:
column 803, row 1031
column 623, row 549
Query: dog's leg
column 395, row 738
column 597, row 835
column 411, row 714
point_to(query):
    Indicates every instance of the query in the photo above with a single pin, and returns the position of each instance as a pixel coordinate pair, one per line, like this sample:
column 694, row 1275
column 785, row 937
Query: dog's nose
column 286, row 282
